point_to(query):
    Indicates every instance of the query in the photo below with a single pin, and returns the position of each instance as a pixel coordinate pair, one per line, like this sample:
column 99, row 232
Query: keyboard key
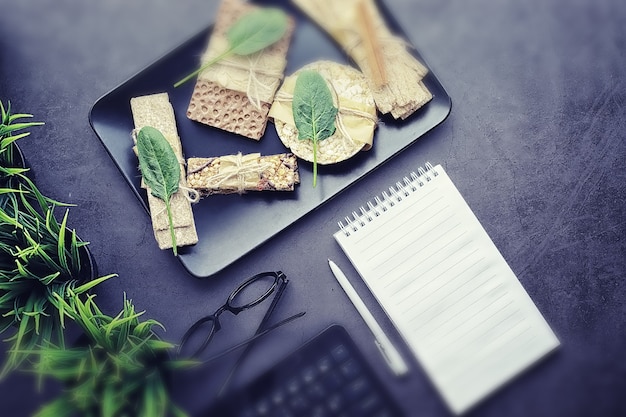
column 333, row 380
column 350, row 369
column 335, row 403
column 309, row 374
column 278, row 397
column 368, row 405
column 247, row 412
column 325, row 364
column 299, row 403
column 316, row 392
column 263, row 408
column 357, row 389
column 340, row 353
column 293, row 386
column 386, row 413
column 283, row 412
column 319, row 411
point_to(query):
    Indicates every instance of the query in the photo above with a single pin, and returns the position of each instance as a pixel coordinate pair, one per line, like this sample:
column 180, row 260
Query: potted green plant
column 121, row 367
column 40, row 258
column 12, row 128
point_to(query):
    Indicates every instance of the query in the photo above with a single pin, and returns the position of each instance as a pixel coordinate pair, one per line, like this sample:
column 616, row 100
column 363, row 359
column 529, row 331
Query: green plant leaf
column 57, row 408
column 89, row 285
column 158, row 162
column 313, row 111
column 61, row 243
column 8, row 126
column 160, row 169
column 253, row 32
column 106, row 378
column 257, row 30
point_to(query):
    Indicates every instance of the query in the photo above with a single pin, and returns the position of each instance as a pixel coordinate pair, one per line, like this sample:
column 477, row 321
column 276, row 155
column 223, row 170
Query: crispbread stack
column 241, row 173
column 356, row 114
column 155, row 110
column 235, row 94
column 404, row 90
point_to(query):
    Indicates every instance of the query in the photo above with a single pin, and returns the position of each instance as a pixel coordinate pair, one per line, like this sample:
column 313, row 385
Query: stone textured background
column 534, row 142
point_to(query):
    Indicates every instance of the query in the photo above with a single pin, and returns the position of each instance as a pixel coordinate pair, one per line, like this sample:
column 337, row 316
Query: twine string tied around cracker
column 253, row 83
column 238, row 172
column 285, row 97
column 391, row 45
column 193, row 196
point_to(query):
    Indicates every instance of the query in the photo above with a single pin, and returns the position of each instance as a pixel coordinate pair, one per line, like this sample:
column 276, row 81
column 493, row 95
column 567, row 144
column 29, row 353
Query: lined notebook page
column 446, row 288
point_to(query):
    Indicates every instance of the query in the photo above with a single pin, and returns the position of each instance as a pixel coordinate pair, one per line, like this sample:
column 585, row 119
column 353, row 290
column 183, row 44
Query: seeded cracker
column 355, row 122
column 235, row 94
column 155, row 110
column 242, row 173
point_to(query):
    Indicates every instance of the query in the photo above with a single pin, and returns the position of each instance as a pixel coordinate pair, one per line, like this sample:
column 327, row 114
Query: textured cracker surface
column 214, row 105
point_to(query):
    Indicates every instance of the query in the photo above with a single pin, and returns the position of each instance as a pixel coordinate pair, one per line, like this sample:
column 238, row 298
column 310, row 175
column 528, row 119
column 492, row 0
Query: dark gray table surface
column 534, row 142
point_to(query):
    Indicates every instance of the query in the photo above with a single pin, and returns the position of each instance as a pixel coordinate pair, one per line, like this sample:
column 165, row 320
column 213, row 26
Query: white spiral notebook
column 446, row 287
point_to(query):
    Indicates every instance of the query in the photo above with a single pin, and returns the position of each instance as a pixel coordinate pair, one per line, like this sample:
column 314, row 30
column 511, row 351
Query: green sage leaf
column 158, row 162
column 313, row 111
column 160, row 169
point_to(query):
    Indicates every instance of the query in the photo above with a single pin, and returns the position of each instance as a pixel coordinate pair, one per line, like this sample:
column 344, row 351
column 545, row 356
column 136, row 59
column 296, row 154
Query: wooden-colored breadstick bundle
column 235, row 94
column 156, row 111
column 239, row 173
column 394, row 74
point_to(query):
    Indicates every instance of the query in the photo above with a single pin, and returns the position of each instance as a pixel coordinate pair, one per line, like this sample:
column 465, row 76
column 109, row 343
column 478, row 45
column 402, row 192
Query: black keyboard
column 327, row 376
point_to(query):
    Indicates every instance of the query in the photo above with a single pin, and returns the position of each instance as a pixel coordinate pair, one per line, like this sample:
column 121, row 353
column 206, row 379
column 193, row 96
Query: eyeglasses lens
column 197, row 337
column 253, row 291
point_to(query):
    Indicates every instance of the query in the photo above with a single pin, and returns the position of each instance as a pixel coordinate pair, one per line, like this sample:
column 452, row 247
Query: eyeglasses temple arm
column 253, row 338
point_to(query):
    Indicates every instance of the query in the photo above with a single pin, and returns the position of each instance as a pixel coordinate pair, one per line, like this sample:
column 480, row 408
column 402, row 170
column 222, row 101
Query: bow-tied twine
column 238, row 172
column 253, row 83
column 193, row 196
column 285, row 97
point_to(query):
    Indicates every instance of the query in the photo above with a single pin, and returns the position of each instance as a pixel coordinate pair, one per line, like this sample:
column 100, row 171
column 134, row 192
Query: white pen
column 388, row 350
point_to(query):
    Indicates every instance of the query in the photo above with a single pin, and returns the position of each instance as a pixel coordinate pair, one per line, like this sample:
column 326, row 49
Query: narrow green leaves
column 253, row 32
column 313, row 111
column 160, row 169
column 9, row 125
column 120, row 369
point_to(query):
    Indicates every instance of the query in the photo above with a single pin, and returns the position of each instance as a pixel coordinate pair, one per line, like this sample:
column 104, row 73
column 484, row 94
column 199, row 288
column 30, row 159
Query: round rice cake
column 348, row 84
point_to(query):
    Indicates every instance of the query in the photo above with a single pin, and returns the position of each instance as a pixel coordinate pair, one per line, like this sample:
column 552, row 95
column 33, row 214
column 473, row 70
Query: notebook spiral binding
column 388, row 199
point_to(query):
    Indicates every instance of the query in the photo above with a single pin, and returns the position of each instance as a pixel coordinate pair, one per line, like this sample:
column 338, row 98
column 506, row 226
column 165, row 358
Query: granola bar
column 242, row 173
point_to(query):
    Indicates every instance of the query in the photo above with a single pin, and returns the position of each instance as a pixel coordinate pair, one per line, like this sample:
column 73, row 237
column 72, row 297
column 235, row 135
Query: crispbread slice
column 155, row 110
column 404, row 92
column 214, row 105
column 235, row 94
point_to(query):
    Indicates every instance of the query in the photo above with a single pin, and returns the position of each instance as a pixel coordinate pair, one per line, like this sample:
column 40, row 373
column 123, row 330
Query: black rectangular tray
column 230, row 226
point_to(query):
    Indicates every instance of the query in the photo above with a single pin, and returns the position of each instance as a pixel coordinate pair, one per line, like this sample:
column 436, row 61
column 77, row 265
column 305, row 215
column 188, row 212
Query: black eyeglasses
column 250, row 293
